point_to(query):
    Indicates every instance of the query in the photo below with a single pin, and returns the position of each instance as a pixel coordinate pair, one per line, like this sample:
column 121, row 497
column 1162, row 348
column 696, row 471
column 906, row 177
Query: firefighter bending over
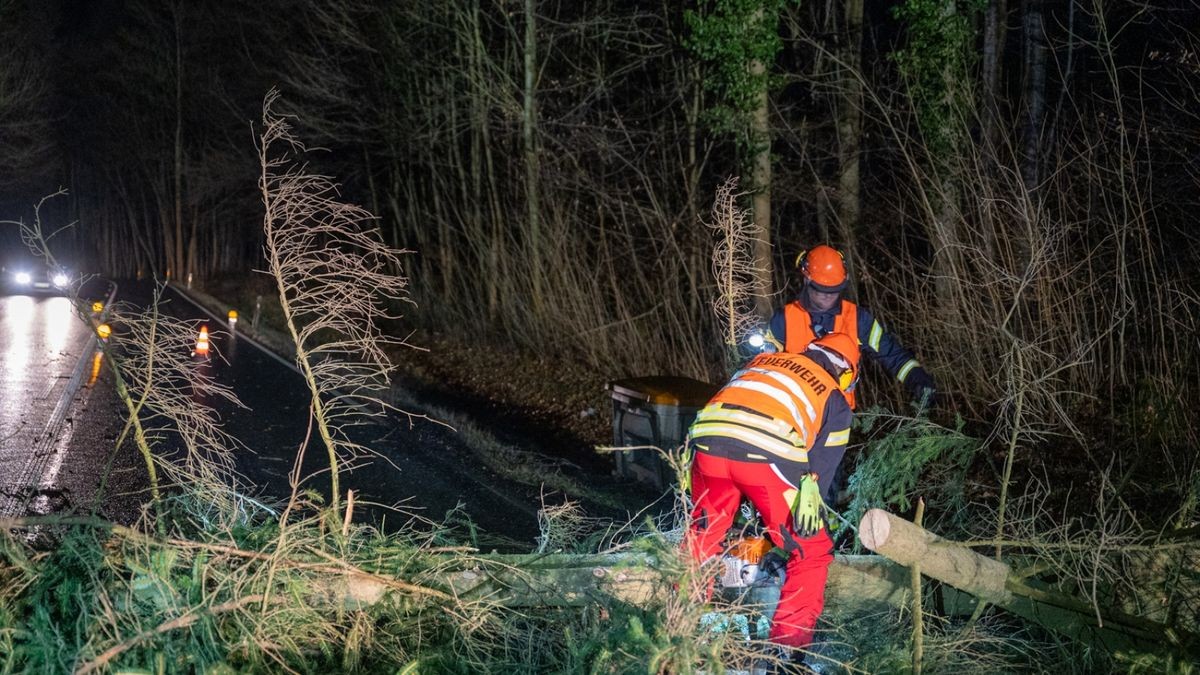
column 819, row 309
column 776, row 434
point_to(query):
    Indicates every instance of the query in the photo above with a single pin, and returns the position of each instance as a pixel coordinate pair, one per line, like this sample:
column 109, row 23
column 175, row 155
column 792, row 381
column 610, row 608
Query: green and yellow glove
column 685, row 468
column 808, row 511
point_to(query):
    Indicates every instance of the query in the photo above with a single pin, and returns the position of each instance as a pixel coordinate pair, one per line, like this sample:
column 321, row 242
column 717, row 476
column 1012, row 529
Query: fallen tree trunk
column 993, row 581
column 562, row 580
column 908, row 544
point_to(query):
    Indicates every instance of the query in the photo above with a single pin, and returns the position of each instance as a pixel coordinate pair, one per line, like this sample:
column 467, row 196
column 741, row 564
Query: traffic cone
column 202, row 342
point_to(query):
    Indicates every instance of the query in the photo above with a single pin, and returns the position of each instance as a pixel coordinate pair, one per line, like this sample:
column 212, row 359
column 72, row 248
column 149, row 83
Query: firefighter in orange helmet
column 819, row 310
column 776, row 434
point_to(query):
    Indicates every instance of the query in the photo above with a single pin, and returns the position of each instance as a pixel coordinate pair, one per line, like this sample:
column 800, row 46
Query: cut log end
column 909, row 545
column 874, row 529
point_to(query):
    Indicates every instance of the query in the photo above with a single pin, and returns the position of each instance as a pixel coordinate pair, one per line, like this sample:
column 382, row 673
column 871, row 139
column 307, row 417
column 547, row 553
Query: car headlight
column 61, row 280
column 23, row 278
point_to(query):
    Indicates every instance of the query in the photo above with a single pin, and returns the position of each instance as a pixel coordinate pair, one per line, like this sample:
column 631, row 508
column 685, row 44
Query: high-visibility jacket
column 800, row 332
column 775, row 404
column 793, row 327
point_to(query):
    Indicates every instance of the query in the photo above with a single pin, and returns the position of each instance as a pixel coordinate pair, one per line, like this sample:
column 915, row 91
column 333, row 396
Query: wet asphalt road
column 44, row 352
column 425, row 471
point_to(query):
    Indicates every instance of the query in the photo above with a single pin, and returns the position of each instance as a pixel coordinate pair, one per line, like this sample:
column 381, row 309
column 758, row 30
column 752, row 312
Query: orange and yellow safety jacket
column 780, row 406
column 794, row 326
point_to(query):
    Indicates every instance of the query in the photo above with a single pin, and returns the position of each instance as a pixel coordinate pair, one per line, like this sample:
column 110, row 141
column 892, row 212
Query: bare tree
column 734, row 265
column 170, row 401
column 333, row 273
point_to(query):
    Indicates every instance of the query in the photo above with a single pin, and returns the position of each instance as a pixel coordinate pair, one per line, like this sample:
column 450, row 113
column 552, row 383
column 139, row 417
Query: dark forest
column 1013, row 185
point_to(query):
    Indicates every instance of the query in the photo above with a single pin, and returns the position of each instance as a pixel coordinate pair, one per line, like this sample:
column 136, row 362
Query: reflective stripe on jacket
column 776, row 403
column 799, row 332
column 874, row 339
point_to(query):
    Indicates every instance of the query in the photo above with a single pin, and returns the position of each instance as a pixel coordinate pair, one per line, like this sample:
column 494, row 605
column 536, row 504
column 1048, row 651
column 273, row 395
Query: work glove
column 773, row 563
column 808, row 513
column 922, row 387
column 685, row 467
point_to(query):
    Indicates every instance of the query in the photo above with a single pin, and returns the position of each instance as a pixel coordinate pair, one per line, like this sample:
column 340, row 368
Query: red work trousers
column 718, row 485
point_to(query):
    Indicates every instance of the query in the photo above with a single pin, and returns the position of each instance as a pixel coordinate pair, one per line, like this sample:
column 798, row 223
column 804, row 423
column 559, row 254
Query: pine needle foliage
column 112, row 598
column 907, row 457
column 956, row 646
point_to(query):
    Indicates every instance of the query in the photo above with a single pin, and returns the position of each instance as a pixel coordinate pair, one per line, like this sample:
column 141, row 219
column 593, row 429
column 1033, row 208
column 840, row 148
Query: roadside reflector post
column 103, row 331
column 233, row 317
column 257, row 311
column 97, row 307
column 97, row 359
column 189, row 284
column 202, row 342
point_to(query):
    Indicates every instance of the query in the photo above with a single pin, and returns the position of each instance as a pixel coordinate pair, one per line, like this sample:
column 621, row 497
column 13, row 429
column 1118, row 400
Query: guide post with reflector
column 233, row 317
column 202, row 342
column 97, row 307
column 103, row 331
column 97, row 359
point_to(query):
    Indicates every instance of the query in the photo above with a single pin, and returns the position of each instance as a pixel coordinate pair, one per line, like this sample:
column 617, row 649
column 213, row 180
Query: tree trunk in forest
column 478, row 105
column 760, row 186
column 947, row 246
column 178, row 254
column 369, row 173
column 156, row 237
column 1068, row 69
column 849, row 127
column 218, row 247
column 164, row 220
column 692, row 171
column 695, row 253
column 193, row 245
column 994, row 29
column 529, row 143
column 176, row 265
column 1035, row 92
column 949, row 241
column 139, row 246
column 190, row 267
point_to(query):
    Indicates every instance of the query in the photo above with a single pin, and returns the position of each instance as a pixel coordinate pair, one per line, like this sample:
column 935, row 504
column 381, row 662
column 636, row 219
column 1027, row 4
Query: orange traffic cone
column 202, row 342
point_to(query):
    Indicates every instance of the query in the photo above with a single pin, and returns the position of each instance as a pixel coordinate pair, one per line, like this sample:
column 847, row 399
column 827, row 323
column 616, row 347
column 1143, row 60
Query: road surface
column 58, row 423
column 44, row 350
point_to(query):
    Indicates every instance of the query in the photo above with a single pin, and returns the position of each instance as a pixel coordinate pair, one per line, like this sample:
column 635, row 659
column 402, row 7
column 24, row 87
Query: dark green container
column 654, row 411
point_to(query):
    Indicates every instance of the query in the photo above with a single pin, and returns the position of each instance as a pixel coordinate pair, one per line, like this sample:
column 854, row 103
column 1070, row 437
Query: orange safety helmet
column 839, row 348
column 824, row 267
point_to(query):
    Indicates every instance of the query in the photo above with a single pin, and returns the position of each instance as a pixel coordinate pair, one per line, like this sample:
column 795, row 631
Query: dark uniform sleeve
column 777, row 330
column 883, row 347
column 825, row 455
